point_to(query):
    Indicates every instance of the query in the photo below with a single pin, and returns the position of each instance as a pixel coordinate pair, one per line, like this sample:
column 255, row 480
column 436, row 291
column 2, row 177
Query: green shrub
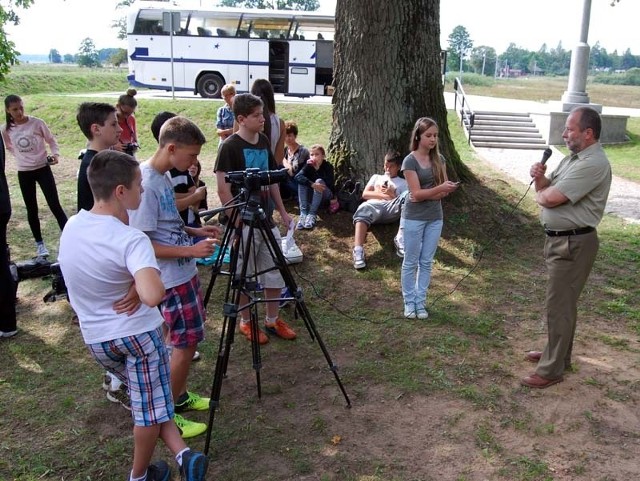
column 630, row 77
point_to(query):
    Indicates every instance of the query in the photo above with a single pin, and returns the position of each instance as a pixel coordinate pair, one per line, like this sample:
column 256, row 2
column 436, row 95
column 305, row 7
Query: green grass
column 31, row 79
column 431, row 400
column 544, row 89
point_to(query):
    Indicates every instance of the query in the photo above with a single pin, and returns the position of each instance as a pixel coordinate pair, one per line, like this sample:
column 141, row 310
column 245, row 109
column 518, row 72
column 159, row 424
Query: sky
column 63, row 24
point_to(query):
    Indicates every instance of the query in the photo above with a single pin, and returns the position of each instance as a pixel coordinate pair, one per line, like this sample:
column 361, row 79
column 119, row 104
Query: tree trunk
column 387, row 74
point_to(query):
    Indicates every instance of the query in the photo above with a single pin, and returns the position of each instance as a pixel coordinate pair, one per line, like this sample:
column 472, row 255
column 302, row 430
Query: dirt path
column 624, row 197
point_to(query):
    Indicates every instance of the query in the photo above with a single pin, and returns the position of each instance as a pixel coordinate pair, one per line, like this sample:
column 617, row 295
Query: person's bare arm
column 149, row 286
column 550, row 197
column 185, row 199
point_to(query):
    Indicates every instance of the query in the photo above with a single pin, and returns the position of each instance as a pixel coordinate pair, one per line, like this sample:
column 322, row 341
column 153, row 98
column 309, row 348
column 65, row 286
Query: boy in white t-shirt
column 101, row 256
column 383, row 195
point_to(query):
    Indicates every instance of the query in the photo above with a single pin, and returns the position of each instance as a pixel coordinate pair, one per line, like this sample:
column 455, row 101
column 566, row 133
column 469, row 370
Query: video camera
column 41, row 267
column 252, row 179
column 58, row 287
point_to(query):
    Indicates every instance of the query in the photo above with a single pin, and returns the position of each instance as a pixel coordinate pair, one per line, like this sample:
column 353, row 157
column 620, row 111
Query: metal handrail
column 467, row 115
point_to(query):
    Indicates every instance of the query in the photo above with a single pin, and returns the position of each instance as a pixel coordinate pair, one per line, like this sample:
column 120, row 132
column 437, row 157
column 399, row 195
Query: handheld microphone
column 545, row 156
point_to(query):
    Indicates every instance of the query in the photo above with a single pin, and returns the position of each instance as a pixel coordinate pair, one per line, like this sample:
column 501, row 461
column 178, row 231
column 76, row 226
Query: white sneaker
column 398, row 241
column 410, row 311
column 358, row 258
column 310, row 222
column 41, row 250
column 421, row 313
column 301, row 220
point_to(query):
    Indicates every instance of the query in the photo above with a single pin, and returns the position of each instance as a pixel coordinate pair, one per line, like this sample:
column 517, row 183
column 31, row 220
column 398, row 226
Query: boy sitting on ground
column 383, row 195
column 101, row 257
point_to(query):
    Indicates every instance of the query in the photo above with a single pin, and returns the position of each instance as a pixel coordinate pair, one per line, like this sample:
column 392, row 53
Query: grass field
column 432, row 400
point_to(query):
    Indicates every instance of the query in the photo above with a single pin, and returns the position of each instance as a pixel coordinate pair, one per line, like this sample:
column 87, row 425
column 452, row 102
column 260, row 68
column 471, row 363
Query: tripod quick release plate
column 253, row 179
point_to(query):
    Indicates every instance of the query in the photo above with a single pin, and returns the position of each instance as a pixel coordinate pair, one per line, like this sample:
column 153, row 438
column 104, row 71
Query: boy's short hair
column 158, row 121
column 245, row 104
column 181, row 130
column 109, row 169
column 393, row 156
column 319, row 148
column 291, row 128
column 228, row 89
column 90, row 113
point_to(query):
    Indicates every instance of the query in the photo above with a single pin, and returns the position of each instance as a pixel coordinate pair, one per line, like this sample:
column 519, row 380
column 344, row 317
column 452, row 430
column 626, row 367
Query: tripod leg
column 225, row 245
column 281, row 264
column 247, row 236
column 228, row 328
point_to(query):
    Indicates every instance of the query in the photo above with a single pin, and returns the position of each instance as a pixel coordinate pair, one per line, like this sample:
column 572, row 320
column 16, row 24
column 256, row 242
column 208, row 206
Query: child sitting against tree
column 383, row 196
column 315, row 186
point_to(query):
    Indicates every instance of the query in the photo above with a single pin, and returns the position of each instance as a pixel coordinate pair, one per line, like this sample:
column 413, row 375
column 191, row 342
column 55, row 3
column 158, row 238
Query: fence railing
column 466, row 113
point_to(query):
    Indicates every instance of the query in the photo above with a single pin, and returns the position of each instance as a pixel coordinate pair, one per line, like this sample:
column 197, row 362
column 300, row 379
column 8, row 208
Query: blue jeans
column 420, row 243
column 317, row 198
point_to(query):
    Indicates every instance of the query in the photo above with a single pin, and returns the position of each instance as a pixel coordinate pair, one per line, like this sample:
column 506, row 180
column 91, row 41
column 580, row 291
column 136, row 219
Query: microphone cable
column 546, row 154
column 483, row 248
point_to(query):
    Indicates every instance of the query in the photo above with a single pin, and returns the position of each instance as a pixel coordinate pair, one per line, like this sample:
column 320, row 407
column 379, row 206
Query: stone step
column 507, row 140
column 502, row 118
column 528, row 123
column 500, row 145
column 508, row 114
column 506, row 133
column 505, row 128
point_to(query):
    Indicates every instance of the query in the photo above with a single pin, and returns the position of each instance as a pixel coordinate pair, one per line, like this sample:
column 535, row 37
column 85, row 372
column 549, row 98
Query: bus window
column 293, row 49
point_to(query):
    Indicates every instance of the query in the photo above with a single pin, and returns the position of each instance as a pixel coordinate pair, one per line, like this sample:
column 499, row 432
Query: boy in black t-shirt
column 99, row 125
column 249, row 148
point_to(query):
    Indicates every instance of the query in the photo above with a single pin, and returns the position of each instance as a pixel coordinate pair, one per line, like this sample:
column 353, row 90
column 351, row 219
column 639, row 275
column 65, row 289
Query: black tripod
column 247, row 207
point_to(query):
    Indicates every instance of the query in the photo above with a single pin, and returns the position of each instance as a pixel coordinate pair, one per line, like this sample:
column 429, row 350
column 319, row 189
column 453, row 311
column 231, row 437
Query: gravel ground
column 624, row 197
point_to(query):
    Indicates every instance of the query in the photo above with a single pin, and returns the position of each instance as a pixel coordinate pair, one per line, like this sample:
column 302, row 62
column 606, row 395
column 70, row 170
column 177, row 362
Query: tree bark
column 387, row 74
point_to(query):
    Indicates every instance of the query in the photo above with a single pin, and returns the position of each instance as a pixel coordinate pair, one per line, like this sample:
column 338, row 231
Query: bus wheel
column 210, row 86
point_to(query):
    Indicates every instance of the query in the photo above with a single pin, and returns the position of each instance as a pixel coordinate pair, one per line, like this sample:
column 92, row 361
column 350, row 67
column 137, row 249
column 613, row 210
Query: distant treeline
column 516, row 61
column 103, row 55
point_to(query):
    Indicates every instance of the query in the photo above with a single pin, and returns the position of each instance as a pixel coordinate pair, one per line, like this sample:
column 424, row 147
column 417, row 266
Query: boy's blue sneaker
column 158, row 471
column 194, row 466
column 285, row 293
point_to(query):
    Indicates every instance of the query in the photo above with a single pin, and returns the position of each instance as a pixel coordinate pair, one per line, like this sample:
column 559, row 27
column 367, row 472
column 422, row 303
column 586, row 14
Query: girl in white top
column 25, row 137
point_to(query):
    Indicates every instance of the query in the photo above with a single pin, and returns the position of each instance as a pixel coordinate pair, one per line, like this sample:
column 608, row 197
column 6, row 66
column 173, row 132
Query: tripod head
column 250, row 182
column 254, row 178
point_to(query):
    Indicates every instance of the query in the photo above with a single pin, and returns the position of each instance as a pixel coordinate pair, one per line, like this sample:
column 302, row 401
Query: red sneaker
column 280, row 329
column 245, row 328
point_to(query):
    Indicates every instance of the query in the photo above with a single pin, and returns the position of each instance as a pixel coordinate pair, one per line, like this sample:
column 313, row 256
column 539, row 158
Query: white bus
column 216, row 46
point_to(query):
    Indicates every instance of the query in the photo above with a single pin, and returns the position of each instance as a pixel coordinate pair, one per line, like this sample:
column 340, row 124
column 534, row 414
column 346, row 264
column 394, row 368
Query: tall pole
column 576, row 91
column 173, row 84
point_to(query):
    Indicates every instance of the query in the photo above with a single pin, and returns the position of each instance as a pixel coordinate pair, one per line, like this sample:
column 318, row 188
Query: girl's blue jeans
column 311, row 200
column 420, row 243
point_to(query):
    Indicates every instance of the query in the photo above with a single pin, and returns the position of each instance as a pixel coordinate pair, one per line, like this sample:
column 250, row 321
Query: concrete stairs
column 504, row 130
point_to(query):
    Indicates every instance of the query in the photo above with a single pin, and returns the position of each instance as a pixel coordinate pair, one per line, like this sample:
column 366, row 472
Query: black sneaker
column 158, row 471
column 194, row 466
column 120, row 395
